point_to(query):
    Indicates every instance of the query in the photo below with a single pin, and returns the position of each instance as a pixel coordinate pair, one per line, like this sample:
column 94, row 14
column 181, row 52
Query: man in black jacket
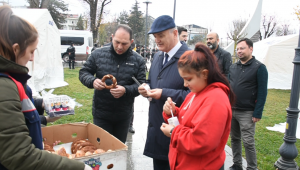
column 112, row 109
column 223, row 57
column 248, row 80
column 71, row 51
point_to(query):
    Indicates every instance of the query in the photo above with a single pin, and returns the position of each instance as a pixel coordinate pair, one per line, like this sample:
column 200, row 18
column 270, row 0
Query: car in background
column 83, row 43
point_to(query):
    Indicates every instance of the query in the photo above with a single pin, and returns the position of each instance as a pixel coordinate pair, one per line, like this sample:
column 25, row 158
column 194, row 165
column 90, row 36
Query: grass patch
column 267, row 142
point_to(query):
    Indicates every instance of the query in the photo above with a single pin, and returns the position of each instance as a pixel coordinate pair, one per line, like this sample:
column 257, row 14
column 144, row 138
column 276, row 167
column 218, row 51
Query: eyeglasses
column 238, row 49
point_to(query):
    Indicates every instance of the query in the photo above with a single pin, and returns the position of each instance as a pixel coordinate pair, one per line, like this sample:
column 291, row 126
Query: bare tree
column 56, row 8
column 283, row 30
column 235, row 32
column 96, row 14
column 269, row 26
column 38, row 3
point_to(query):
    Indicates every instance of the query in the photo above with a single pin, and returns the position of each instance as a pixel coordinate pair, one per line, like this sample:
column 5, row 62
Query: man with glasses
column 223, row 57
column 249, row 80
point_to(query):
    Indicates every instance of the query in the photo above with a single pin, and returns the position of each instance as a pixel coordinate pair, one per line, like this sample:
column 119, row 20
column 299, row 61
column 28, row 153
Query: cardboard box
column 117, row 159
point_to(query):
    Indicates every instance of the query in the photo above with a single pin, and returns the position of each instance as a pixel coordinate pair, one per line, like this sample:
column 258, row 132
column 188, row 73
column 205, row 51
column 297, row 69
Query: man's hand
column 166, row 129
column 118, row 91
column 254, row 119
column 155, row 93
column 142, row 90
column 98, row 84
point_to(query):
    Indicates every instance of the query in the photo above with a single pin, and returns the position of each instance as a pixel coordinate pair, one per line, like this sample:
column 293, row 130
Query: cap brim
column 157, row 31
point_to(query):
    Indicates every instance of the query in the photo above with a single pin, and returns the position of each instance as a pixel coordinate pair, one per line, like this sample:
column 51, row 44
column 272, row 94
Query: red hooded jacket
column 199, row 141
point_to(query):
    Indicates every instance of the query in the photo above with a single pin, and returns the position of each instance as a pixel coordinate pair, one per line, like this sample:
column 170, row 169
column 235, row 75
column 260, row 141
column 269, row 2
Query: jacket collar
column 18, row 72
column 127, row 53
column 217, row 50
column 248, row 62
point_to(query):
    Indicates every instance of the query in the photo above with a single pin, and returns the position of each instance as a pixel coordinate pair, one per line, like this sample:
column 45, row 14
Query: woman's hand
column 166, row 129
column 51, row 119
column 168, row 106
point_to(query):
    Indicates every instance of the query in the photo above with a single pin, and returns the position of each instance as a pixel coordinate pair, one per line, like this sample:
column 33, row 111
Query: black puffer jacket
column 105, row 61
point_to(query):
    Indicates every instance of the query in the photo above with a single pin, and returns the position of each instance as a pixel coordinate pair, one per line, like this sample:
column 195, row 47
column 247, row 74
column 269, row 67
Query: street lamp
column 147, row 2
column 288, row 150
column 174, row 10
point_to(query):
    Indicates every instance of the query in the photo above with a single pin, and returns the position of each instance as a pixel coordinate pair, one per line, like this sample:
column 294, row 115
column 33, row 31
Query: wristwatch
column 171, row 131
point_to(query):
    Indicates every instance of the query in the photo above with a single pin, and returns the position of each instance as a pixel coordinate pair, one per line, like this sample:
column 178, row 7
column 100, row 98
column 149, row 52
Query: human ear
column 16, row 49
column 205, row 73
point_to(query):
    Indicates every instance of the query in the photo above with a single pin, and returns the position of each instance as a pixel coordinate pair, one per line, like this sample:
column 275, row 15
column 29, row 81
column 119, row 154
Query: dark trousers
column 131, row 123
column 160, row 164
column 71, row 61
column 118, row 129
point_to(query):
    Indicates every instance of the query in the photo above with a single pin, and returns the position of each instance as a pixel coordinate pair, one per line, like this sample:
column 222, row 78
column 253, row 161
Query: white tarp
column 277, row 53
column 47, row 69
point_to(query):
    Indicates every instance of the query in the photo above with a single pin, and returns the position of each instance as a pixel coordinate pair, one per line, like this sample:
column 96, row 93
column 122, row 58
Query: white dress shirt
column 173, row 51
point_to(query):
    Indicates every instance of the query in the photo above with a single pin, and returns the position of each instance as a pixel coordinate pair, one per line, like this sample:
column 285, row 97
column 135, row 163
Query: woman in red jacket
column 205, row 116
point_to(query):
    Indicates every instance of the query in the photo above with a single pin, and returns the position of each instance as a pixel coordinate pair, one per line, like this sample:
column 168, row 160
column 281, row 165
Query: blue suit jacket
column 172, row 85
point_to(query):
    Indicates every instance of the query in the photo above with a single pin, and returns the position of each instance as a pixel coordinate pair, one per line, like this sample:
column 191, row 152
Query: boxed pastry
column 114, row 158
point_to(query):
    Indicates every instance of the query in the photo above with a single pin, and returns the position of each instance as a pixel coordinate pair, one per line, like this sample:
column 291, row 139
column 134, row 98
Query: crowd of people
column 208, row 95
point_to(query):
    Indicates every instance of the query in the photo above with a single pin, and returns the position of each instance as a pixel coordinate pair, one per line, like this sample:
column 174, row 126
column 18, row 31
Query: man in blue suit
column 165, row 81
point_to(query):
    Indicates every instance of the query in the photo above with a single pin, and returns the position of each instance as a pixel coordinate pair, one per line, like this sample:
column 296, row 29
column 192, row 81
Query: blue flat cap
column 162, row 23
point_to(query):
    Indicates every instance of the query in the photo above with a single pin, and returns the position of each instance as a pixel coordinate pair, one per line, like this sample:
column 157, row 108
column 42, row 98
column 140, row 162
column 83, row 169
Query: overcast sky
column 215, row 14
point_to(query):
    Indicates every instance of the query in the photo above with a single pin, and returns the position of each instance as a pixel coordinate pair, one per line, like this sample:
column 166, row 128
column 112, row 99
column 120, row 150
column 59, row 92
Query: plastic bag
column 58, row 105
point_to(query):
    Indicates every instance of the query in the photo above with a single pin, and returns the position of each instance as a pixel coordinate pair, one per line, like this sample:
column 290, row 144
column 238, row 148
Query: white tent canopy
column 46, row 70
column 277, row 53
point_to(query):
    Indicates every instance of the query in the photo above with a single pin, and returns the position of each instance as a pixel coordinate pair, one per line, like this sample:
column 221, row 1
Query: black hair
column 180, row 29
column 126, row 28
column 247, row 40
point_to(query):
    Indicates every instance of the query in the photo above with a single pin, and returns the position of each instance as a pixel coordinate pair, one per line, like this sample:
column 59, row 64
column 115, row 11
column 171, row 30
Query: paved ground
column 136, row 142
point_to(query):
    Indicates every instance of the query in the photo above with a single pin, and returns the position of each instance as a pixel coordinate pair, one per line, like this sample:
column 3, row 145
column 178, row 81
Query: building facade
column 195, row 30
column 71, row 22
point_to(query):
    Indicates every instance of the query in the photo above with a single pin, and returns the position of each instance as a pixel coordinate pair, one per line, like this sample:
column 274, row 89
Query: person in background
column 142, row 51
column 110, row 42
column 183, row 34
column 21, row 144
column 223, row 57
column 138, row 50
column 249, row 81
column 95, row 47
column 199, row 140
column 112, row 108
column 152, row 54
column 165, row 81
column 71, row 50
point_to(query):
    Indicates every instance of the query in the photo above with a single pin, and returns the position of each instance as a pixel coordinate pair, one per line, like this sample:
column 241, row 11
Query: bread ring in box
column 113, row 79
